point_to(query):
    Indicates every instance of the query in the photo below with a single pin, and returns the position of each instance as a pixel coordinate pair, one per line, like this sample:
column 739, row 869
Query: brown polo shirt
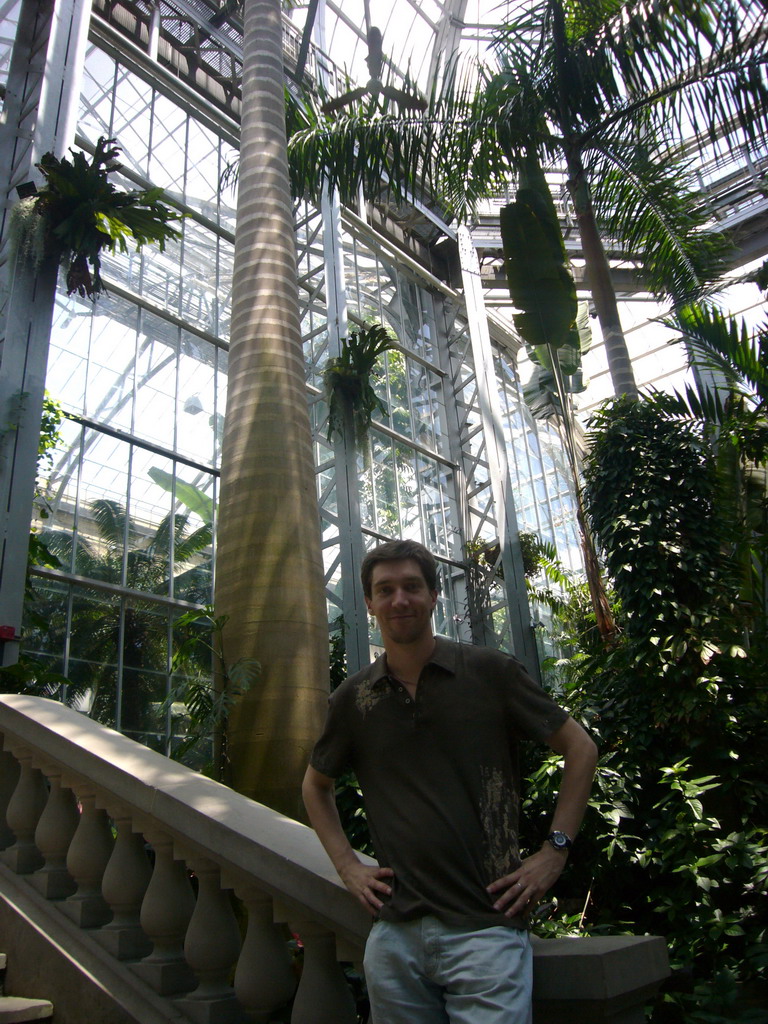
column 440, row 775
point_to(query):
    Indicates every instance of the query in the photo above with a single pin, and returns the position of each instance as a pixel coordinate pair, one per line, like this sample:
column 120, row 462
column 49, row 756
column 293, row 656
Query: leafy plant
column 652, row 488
column 30, row 676
column 674, row 840
column 207, row 701
column 351, row 398
column 731, row 412
column 540, row 280
column 81, row 213
column 39, row 552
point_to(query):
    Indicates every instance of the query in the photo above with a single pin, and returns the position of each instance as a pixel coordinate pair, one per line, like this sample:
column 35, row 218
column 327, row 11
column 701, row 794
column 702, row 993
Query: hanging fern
column 81, row 212
column 347, row 382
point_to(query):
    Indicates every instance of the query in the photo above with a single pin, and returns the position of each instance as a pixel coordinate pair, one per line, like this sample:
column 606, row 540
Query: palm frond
column 187, row 546
column 648, row 203
column 112, row 520
column 691, row 406
column 726, row 345
column 447, row 152
column 699, row 62
column 695, row 64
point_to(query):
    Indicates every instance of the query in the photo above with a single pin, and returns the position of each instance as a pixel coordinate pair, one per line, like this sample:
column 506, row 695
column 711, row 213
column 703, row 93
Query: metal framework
column 457, row 462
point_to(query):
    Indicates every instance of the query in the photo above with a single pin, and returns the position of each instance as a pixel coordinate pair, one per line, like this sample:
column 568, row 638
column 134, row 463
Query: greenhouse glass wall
column 128, row 504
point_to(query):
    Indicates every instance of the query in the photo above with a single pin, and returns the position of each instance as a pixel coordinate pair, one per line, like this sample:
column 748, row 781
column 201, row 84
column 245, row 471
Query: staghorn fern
column 81, row 213
column 347, row 382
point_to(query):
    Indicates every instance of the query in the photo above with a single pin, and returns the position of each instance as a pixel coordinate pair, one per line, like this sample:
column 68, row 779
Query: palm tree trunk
column 598, row 274
column 606, row 624
column 269, row 574
column 598, row 271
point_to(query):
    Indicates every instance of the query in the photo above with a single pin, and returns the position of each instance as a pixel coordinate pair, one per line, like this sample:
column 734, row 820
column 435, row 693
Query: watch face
column 560, row 840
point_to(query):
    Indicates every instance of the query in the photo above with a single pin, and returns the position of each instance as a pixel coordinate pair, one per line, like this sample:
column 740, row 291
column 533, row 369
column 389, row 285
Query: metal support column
column 498, row 467
column 345, row 454
column 351, row 551
column 41, row 114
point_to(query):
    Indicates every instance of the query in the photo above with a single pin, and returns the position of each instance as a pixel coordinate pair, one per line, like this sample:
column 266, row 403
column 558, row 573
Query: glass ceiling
column 416, row 33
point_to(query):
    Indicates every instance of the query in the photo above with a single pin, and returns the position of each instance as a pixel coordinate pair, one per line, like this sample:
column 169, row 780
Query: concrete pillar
column 211, row 948
column 87, row 859
column 24, row 810
column 124, row 886
column 53, row 835
column 165, row 915
column 323, row 996
column 264, row 979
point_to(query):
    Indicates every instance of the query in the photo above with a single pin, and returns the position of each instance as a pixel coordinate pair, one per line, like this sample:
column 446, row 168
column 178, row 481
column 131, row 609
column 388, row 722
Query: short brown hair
column 398, row 551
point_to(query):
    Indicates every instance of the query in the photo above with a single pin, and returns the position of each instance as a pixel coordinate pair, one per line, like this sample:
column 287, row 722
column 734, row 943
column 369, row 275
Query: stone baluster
column 265, row 979
column 53, row 836
column 9, row 778
column 124, row 885
column 323, row 996
column 88, row 856
column 211, row 946
column 166, row 911
column 24, row 810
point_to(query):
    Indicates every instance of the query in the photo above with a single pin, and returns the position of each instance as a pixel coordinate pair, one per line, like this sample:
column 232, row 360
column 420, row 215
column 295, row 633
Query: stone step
column 15, row 1010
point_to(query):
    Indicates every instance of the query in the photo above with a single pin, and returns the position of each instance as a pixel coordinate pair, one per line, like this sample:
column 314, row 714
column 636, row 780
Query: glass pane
column 96, row 96
column 200, row 276
column 54, row 517
column 150, row 527
column 45, row 621
column 132, row 120
column 196, row 406
column 166, row 157
column 68, row 353
column 222, row 369
column 387, row 516
column 203, row 170
column 226, row 257
column 111, row 366
column 101, row 523
column 93, row 652
column 145, row 637
column 195, row 495
column 227, row 191
column 142, row 696
column 156, row 379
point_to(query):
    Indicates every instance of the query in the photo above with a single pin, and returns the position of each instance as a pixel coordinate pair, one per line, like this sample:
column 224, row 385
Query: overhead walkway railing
column 140, row 857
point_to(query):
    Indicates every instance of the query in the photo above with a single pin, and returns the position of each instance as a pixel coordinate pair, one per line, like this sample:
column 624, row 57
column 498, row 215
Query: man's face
column 401, row 601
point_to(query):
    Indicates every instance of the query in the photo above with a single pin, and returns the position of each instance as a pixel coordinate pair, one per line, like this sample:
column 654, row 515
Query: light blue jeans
column 424, row 972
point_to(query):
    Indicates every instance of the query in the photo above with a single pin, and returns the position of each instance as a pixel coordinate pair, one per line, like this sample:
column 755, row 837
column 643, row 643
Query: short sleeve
column 534, row 714
column 332, row 753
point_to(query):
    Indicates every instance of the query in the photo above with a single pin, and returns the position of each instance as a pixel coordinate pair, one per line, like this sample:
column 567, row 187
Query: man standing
column 432, row 730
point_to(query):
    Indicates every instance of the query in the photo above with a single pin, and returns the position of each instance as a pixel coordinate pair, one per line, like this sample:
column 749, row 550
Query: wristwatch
column 560, row 841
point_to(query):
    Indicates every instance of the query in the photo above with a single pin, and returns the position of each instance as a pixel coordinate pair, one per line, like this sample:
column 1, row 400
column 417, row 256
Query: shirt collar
column 444, row 655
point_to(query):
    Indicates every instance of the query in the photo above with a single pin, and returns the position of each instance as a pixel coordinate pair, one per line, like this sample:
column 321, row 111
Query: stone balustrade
column 143, row 857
